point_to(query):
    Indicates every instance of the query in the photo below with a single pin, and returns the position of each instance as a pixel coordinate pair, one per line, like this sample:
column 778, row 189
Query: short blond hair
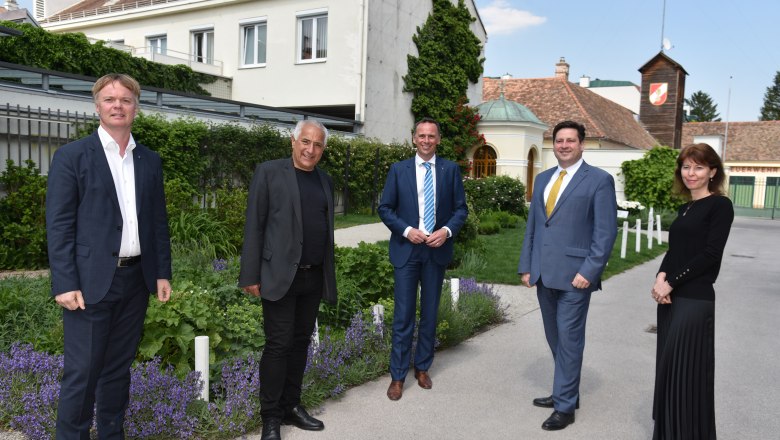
column 126, row 80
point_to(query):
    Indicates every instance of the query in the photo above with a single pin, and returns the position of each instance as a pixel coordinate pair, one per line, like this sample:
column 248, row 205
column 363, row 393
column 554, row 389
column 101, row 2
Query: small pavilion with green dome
column 514, row 139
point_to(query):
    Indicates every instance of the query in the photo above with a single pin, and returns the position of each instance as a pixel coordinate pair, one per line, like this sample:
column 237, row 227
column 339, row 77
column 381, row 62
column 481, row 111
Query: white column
column 455, row 291
column 638, row 233
column 202, row 364
column 624, row 240
column 650, row 233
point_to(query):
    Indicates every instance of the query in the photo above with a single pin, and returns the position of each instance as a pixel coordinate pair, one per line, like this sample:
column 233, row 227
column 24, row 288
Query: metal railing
column 104, row 10
column 34, row 133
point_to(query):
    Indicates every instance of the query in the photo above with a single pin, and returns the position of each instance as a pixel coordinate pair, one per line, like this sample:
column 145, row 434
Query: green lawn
column 345, row 221
column 503, row 255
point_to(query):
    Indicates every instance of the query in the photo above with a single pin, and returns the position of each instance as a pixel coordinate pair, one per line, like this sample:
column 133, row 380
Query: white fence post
column 638, row 233
column 315, row 336
column 658, row 227
column 455, row 291
column 379, row 315
column 624, row 240
column 202, row 364
column 650, row 233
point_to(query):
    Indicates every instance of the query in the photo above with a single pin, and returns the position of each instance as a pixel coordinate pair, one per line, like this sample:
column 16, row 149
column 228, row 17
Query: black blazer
column 84, row 221
column 273, row 234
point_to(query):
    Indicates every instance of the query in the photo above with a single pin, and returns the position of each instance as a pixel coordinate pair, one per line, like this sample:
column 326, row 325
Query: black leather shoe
column 300, row 418
column 547, row 402
column 558, row 421
column 271, row 430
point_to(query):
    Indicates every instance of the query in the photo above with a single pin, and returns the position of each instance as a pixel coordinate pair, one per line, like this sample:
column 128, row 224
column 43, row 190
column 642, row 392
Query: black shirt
column 314, row 212
column 697, row 238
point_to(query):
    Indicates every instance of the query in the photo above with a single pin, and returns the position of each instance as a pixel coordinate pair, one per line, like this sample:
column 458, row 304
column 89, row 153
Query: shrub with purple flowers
column 235, row 406
column 29, row 390
column 345, row 359
column 159, row 402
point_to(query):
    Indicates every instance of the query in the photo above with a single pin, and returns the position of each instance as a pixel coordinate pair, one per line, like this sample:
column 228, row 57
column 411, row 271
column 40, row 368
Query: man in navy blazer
column 418, row 253
column 564, row 254
column 109, row 247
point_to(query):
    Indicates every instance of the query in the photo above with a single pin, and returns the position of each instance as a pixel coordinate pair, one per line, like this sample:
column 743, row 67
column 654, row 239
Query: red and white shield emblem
column 658, row 93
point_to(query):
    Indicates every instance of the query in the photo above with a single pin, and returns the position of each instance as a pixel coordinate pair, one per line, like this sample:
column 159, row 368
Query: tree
column 439, row 76
column 649, row 180
column 702, row 108
column 771, row 109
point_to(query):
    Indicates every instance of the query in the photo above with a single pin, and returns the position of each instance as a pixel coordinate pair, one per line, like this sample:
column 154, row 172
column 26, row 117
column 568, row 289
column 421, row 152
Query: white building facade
column 343, row 58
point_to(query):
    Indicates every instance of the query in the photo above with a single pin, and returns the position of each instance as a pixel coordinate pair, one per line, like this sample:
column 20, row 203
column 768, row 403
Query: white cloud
column 500, row 18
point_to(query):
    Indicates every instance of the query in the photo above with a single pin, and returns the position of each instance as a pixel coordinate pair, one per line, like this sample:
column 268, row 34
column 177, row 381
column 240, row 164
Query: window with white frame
column 253, row 43
column 157, row 44
column 203, row 46
column 313, row 37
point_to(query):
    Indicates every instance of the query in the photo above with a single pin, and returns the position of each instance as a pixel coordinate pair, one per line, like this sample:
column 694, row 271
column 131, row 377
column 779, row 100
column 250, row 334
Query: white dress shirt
column 123, row 173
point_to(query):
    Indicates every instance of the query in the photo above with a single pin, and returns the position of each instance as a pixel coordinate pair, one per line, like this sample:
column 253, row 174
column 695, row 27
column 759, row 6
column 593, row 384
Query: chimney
column 585, row 81
column 10, row 5
column 562, row 69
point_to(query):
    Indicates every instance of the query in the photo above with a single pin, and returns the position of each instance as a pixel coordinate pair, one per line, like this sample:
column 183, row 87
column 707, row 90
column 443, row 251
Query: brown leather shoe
column 395, row 390
column 423, row 379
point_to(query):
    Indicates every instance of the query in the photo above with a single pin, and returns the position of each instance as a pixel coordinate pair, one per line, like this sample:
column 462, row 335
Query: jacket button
column 114, row 254
column 118, row 228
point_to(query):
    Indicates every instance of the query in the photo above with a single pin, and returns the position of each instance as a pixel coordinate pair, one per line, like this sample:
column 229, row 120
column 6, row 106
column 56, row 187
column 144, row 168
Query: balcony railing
column 104, row 10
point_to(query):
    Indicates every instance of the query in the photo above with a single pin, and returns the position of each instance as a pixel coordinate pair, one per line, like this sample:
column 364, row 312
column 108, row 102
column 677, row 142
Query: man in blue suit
column 424, row 206
column 107, row 232
column 572, row 225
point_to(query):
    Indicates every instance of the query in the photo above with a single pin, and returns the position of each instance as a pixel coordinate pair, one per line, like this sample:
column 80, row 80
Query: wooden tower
column 661, row 103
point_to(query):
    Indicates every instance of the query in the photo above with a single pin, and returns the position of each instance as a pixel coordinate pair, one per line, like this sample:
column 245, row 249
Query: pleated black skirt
column 684, row 401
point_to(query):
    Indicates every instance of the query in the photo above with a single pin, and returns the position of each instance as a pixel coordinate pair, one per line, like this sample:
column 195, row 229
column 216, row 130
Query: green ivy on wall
column 74, row 53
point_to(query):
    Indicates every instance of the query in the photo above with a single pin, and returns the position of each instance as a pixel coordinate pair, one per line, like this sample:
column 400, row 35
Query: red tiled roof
column 747, row 141
column 554, row 100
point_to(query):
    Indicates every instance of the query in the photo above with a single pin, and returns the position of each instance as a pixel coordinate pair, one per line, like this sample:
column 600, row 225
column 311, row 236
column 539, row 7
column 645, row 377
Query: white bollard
column 650, row 233
column 202, row 364
column 624, row 240
column 658, row 227
column 455, row 291
column 315, row 336
column 638, row 233
column 379, row 314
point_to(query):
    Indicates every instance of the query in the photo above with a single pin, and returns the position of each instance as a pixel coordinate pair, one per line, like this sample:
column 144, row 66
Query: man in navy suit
column 288, row 260
column 109, row 247
column 420, row 251
column 572, row 225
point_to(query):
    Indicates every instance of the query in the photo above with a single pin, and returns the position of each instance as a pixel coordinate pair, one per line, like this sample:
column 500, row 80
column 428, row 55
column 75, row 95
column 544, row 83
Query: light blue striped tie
column 429, row 218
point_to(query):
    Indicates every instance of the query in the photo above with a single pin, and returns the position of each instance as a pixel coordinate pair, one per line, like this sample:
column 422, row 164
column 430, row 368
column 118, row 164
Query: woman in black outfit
column 684, row 404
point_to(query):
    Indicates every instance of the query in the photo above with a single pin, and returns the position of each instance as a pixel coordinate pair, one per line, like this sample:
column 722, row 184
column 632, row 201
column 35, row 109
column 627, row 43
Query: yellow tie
column 554, row 193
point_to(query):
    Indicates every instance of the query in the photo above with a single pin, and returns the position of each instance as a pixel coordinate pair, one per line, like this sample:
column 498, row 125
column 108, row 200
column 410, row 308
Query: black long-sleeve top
column 697, row 238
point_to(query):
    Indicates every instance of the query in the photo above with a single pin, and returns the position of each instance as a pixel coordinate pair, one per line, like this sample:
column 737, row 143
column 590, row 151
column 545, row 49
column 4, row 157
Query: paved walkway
column 483, row 387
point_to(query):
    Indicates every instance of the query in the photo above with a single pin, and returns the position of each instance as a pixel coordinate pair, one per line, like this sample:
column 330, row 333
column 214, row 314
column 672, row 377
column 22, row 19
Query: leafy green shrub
column 74, row 53
column 497, row 193
column 230, row 210
column 489, row 227
column 201, row 230
column 477, row 307
column 369, row 162
column 649, row 180
column 364, row 275
column 23, row 217
column 170, row 328
column 179, row 197
column 468, row 237
column 30, row 315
